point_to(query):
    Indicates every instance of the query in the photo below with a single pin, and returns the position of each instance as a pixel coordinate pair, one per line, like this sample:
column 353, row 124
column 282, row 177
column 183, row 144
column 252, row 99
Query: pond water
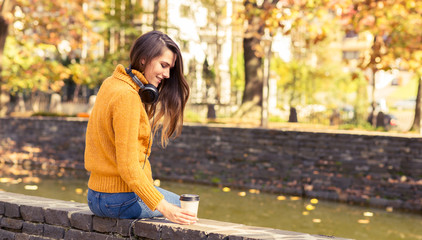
column 251, row 207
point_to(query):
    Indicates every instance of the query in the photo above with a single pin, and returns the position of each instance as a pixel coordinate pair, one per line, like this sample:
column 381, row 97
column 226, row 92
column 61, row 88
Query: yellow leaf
column 31, row 187
column 281, row 198
column 157, row 182
column 368, row 214
column 5, row 180
column 254, row 191
column 309, row 207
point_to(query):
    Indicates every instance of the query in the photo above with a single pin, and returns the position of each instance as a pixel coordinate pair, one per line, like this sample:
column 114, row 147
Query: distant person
column 380, row 122
column 293, row 115
column 335, row 118
column 124, row 119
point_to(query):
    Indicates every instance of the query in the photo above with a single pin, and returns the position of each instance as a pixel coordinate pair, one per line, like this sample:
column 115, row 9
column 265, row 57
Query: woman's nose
column 166, row 73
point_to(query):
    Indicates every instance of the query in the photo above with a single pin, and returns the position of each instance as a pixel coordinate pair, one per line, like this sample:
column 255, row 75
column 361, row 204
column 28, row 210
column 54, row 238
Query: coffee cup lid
column 189, row 197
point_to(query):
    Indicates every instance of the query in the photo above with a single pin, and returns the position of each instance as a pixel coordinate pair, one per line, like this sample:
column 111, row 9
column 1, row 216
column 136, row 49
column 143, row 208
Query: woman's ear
column 143, row 62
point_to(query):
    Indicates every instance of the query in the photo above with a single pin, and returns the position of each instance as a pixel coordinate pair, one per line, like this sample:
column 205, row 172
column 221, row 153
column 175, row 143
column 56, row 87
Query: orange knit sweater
column 117, row 139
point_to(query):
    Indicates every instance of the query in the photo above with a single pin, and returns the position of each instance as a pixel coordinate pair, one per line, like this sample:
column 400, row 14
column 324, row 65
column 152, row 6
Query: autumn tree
column 395, row 27
column 46, row 35
column 4, row 26
column 121, row 23
column 264, row 20
column 405, row 43
column 255, row 17
column 368, row 16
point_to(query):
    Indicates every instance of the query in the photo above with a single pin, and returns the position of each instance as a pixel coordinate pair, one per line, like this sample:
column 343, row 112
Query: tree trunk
column 76, row 93
column 373, row 103
column 253, row 76
column 155, row 14
column 416, row 126
column 217, row 80
column 265, row 85
column 3, row 34
column 252, row 94
column 375, row 55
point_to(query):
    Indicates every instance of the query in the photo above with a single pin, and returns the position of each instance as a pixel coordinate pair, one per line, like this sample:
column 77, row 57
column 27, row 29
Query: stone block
column 4, row 234
column 177, row 232
column 378, row 202
column 343, row 182
column 147, row 229
column 32, row 213
column 22, row 236
column 82, row 220
column 57, row 217
column 395, row 203
column 99, row 236
column 75, row 234
column 11, row 223
column 55, row 232
column 101, row 224
column 1, row 208
column 219, row 235
column 11, row 210
column 33, row 228
column 412, row 206
column 124, row 226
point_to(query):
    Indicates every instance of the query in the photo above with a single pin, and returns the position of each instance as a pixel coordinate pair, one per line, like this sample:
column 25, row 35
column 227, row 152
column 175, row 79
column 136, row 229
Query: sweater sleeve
column 126, row 123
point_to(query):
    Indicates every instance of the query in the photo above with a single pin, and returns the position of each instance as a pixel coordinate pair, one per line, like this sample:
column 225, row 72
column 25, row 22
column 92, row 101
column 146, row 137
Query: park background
column 321, row 63
column 289, row 65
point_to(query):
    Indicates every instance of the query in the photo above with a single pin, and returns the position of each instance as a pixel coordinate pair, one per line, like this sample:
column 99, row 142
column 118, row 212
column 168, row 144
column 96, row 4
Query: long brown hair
column 173, row 92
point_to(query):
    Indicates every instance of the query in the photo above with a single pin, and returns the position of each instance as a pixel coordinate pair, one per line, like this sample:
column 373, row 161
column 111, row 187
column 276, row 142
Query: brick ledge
column 30, row 217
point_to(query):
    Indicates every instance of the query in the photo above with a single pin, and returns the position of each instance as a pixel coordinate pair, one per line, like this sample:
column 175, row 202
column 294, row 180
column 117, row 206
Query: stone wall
column 34, row 218
column 368, row 169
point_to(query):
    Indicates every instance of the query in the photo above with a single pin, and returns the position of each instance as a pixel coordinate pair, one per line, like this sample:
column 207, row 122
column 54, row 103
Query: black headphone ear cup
column 149, row 94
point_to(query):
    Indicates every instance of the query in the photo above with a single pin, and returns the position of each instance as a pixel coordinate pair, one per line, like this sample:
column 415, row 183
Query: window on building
column 351, row 34
column 350, row 55
column 185, row 11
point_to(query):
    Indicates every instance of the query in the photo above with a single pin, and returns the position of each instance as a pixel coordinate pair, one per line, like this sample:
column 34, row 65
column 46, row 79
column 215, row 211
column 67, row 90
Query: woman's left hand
column 176, row 214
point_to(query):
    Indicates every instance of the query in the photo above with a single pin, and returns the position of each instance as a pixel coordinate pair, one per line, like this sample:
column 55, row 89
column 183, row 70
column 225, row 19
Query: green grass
column 51, row 114
column 406, row 91
column 191, row 116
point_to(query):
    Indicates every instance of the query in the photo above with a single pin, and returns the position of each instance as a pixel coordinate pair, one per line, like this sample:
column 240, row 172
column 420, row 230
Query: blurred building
column 205, row 32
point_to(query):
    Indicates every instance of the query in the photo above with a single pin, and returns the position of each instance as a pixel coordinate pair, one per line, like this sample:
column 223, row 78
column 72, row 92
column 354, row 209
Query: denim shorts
column 125, row 205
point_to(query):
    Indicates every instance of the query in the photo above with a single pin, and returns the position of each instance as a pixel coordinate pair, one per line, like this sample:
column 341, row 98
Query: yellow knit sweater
column 117, row 139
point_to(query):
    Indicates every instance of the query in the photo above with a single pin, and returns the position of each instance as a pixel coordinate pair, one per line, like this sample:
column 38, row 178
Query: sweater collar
column 120, row 73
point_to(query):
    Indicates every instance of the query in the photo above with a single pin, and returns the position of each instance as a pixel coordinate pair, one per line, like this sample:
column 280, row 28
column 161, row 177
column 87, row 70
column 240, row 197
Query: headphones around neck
column 148, row 92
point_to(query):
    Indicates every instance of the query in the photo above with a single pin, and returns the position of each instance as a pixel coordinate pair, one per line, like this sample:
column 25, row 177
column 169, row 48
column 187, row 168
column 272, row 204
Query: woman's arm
column 176, row 214
column 127, row 121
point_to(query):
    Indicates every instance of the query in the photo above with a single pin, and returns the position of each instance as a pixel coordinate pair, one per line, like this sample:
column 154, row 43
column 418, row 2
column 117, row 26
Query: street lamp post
column 266, row 75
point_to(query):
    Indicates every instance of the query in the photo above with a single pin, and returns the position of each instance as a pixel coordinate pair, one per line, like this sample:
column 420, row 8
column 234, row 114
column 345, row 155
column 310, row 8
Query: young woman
column 119, row 133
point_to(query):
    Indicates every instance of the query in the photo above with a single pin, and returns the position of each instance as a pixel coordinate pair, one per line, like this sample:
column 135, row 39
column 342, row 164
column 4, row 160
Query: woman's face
column 159, row 68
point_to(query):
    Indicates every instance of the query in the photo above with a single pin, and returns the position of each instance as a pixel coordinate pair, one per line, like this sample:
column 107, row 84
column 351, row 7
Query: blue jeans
column 125, row 205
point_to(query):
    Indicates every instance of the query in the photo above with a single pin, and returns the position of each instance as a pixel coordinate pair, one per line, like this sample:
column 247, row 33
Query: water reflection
column 249, row 207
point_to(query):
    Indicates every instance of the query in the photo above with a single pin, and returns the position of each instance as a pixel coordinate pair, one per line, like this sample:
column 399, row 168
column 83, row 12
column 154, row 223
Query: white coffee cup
column 190, row 202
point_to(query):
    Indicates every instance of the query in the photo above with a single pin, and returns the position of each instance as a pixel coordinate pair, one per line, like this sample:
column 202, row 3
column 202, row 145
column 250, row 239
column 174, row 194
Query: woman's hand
column 176, row 214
